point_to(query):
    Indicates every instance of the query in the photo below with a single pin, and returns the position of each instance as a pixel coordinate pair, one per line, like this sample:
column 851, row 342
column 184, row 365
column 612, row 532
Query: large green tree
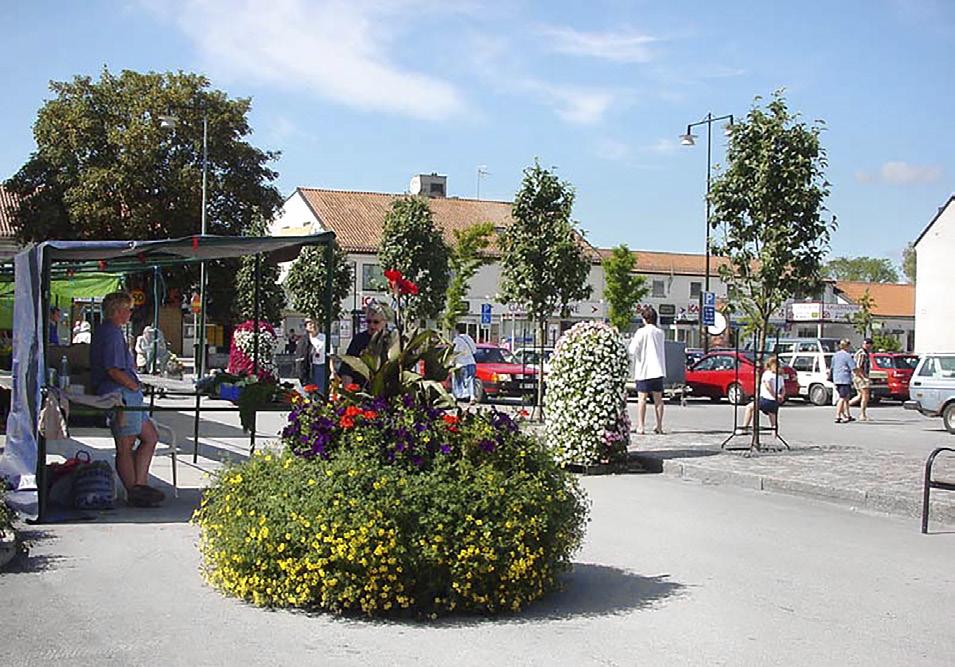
column 909, row 263
column 768, row 205
column 623, row 288
column 467, row 256
column 544, row 266
column 306, row 282
column 864, row 269
column 412, row 244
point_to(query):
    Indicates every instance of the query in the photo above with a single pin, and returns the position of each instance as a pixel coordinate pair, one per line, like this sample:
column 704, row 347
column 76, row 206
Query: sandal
column 659, row 431
column 840, row 420
column 850, row 419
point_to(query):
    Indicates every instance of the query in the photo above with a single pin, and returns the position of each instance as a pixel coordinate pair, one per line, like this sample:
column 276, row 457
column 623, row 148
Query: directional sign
column 485, row 313
column 709, row 315
column 709, row 299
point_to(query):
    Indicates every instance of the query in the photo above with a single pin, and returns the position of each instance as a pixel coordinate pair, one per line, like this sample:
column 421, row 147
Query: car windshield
column 907, row 363
column 493, row 355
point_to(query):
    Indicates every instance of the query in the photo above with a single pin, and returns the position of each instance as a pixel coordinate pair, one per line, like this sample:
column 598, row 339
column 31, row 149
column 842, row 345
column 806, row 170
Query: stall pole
column 255, row 337
column 44, row 387
column 152, row 395
column 329, row 275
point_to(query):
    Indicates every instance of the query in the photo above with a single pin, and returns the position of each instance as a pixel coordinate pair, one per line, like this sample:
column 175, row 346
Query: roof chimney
column 429, row 185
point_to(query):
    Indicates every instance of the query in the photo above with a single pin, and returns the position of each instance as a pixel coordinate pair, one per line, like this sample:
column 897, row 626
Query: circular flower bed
column 586, row 400
column 242, row 350
column 384, row 506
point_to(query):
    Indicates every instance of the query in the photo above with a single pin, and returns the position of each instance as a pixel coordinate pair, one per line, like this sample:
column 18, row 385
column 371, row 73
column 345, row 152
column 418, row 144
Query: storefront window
column 373, row 278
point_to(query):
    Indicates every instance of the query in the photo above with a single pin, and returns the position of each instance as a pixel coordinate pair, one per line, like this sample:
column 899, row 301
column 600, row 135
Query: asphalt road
column 671, row 573
column 892, row 427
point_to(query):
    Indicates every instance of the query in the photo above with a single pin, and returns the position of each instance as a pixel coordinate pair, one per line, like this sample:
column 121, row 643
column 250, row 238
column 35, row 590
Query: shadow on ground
column 27, row 561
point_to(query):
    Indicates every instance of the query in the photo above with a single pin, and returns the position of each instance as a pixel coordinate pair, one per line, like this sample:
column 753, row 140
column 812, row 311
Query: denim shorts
column 126, row 423
column 650, row 386
column 844, row 390
column 768, row 406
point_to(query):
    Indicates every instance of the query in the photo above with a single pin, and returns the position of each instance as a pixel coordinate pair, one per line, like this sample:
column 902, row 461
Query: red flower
column 346, row 422
column 352, row 411
column 310, row 388
column 370, row 414
column 450, row 420
column 351, row 386
column 393, row 275
column 405, row 286
column 453, row 429
column 523, row 413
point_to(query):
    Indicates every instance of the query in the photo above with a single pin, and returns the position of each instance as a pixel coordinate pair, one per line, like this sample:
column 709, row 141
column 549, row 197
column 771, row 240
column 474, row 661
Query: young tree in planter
column 305, row 283
column 862, row 321
column 466, row 258
column 909, row 263
column 412, row 244
column 768, row 203
column 543, row 265
column 624, row 289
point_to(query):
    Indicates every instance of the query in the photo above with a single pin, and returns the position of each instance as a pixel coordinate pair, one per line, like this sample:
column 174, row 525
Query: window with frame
column 803, row 363
column 373, row 278
column 659, row 289
column 696, row 289
column 938, row 367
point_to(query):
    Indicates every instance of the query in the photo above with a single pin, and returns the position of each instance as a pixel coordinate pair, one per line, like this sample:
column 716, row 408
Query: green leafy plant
column 467, row 256
column 306, row 282
column 862, row 269
column 6, row 514
column 623, row 288
column 909, row 263
column 862, row 320
column 884, row 343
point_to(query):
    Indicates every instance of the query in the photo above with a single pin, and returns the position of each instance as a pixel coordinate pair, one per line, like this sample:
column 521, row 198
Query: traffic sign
column 485, row 313
column 709, row 315
column 709, row 299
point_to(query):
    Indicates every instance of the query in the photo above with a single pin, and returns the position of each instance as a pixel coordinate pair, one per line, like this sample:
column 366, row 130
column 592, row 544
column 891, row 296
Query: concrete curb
column 883, row 501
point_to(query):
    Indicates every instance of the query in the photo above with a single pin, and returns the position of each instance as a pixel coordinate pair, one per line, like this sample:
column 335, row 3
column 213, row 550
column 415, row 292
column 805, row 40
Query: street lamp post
column 689, row 139
column 169, row 121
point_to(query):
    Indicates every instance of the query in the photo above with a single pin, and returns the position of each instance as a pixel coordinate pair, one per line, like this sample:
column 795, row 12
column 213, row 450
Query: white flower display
column 585, row 405
column 243, row 339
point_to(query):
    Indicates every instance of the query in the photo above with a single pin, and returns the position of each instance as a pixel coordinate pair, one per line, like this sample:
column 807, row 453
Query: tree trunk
column 758, row 360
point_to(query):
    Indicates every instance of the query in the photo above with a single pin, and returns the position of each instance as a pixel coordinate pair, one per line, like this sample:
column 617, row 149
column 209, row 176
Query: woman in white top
column 465, row 365
column 310, row 357
column 649, row 360
column 772, row 392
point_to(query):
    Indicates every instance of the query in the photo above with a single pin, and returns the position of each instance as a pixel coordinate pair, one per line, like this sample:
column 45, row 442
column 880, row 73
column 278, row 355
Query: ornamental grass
column 387, row 506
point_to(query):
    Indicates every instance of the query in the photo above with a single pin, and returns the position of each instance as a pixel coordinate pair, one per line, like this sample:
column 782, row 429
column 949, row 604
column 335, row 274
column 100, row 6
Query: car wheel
column 948, row 418
column 735, row 394
column 819, row 395
column 480, row 396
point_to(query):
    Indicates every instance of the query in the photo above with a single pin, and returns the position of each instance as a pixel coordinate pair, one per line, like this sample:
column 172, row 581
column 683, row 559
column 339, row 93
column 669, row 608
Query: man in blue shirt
column 843, row 367
column 112, row 370
column 54, row 337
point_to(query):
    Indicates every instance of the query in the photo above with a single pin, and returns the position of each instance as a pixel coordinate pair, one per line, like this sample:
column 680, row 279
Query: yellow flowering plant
column 481, row 520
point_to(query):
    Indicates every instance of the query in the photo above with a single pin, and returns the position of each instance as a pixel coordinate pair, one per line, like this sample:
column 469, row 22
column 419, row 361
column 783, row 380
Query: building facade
column 935, row 250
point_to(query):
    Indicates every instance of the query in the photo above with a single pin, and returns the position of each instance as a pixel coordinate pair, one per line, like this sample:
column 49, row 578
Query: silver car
column 932, row 388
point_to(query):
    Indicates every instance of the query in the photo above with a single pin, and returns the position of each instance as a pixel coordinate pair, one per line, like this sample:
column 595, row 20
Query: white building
column 935, row 272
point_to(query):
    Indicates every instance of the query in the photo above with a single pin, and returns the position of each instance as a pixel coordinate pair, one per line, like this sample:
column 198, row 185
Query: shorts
column 844, row 390
column 768, row 406
column 860, row 383
column 653, row 385
column 126, row 423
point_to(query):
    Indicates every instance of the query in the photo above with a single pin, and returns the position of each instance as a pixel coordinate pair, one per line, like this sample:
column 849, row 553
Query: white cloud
column 624, row 46
column 611, row 149
column 334, row 49
column 574, row 104
column 901, row 173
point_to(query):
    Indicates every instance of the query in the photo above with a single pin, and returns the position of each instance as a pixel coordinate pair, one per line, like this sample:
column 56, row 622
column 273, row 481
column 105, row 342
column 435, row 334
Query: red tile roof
column 676, row 263
column 357, row 218
column 888, row 299
column 8, row 204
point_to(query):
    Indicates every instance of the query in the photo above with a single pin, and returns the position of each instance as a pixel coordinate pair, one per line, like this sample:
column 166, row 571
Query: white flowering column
column 586, row 399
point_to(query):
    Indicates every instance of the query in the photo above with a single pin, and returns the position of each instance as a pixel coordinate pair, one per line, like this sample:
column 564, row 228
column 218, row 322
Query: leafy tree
column 305, row 283
column 412, row 244
column 862, row 321
column 105, row 168
column 465, row 259
column 624, row 288
column 885, row 343
column 768, row 203
column 863, row 269
column 909, row 263
column 543, row 263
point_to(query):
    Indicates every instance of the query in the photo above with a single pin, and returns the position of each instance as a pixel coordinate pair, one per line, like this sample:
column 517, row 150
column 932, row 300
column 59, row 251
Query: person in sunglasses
column 376, row 320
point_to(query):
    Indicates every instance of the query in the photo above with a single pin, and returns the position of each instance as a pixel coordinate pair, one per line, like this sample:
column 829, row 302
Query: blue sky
column 362, row 95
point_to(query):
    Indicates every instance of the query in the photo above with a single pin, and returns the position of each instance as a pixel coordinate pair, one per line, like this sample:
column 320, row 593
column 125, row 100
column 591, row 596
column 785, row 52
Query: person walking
column 860, row 378
column 310, row 357
column 647, row 347
column 843, row 369
column 772, row 393
column 465, row 365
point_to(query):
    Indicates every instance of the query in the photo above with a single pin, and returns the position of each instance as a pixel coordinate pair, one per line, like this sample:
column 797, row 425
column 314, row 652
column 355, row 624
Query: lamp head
column 688, row 139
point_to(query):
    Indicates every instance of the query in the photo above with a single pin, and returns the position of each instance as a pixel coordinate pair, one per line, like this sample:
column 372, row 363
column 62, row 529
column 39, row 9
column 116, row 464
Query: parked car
column 715, row 376
column 898, row 368
column 789, row 346
column 812, row 370
column 932, row 388
column 693, row 355
column 499, row 374
column 530, row 356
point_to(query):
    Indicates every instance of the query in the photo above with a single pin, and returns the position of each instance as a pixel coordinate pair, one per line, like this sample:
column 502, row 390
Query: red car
column 715, row 376
column 499, row 374
column 898, row 369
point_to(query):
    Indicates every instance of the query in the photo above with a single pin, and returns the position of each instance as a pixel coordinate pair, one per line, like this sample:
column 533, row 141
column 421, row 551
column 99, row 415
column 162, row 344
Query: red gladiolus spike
column 370, row 414
column 393, row 275
column 410, row 288
column 352, row 411
column 346, row 422
column 352, row 387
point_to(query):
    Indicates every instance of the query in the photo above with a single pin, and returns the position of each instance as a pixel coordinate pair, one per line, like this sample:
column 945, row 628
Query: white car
column 530, row 357
column 932, row 388
column 812, row 369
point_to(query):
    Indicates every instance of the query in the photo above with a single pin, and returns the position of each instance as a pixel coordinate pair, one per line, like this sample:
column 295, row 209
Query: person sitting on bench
column 112, row 370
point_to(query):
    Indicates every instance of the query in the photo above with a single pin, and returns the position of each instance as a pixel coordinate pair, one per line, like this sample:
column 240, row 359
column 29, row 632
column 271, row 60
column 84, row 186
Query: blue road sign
column 709, row 299
column 485, row 313
column 709, row 316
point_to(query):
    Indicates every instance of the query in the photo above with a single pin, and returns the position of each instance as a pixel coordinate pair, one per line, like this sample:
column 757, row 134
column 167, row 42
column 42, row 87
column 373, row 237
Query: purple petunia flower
column 487, row 445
